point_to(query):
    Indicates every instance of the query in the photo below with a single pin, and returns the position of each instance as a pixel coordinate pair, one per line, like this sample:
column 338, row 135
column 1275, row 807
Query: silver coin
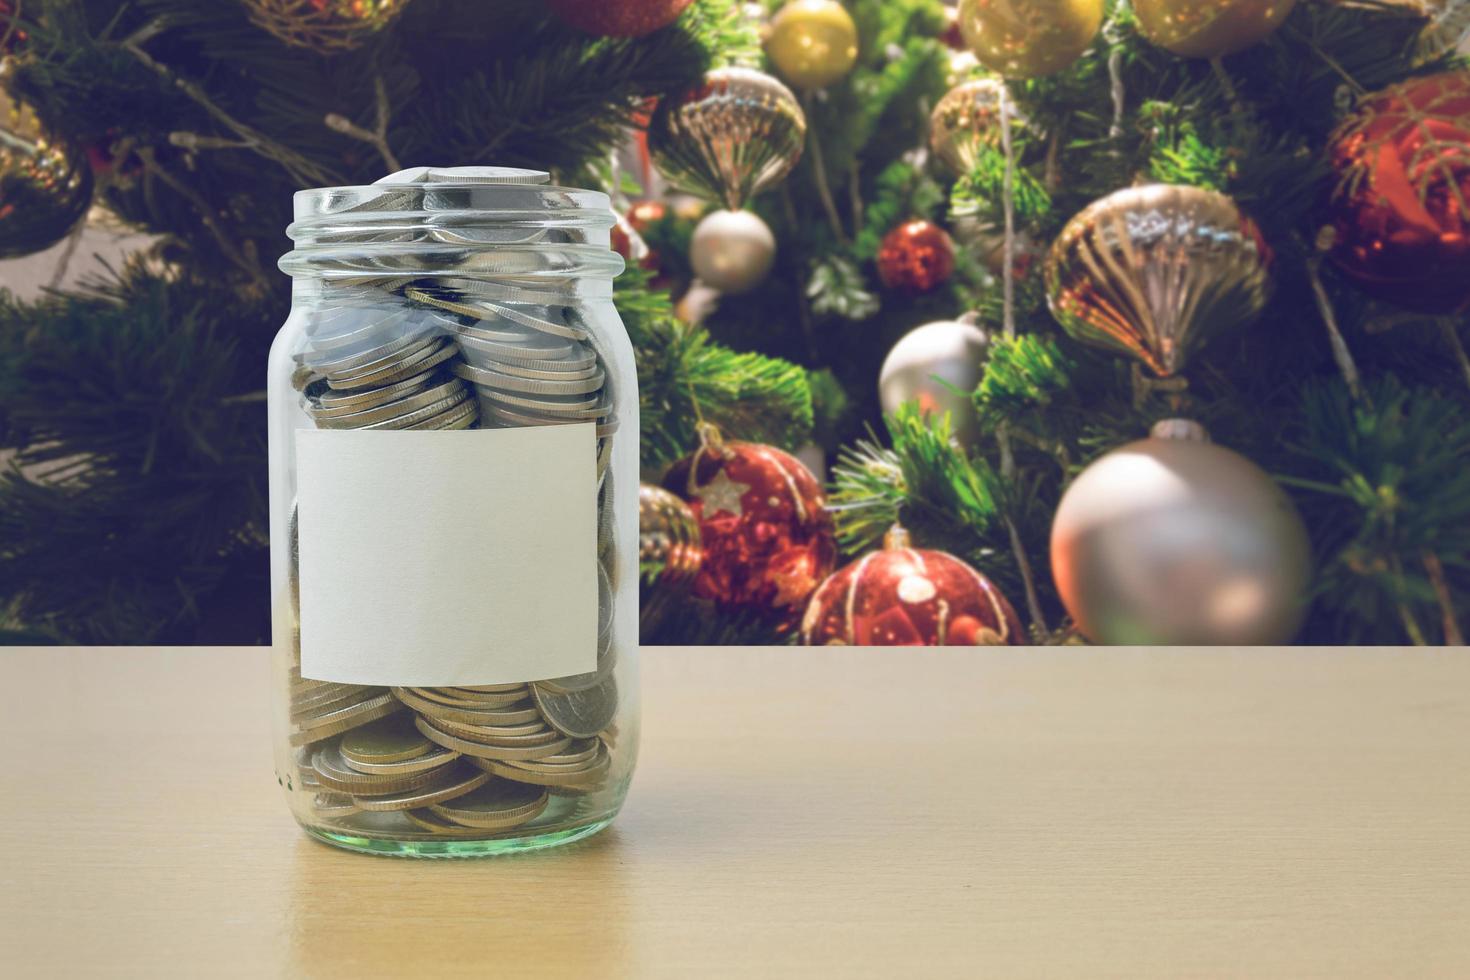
column 529, row 386
column 462, row 416
column 485, row 175
column 569, row 405
column 528, row 735
column 579, row 714
column 421, row 348
column 420, row 361
column 345, row 720
column 429, row 820
column 519, row 713
column 398, row 343
column 457, row 697
column 331, row 403
column 450, row 388
column 424, row 414
column 358, row 707
column 334, row 806
column 543, row 370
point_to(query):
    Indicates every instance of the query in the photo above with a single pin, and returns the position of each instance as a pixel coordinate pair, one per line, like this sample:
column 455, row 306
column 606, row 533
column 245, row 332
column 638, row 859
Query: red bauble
column 618, row 18
column 915, row 257
column 768, row 539
column 1401, row 207
column 899, row 597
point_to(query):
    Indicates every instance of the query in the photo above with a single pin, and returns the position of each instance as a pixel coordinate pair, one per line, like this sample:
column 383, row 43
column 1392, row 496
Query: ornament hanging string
column 819, row 171
column 1340, row 352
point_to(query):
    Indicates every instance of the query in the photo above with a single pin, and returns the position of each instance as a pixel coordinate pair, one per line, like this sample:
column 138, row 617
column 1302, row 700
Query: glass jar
column 454, row 490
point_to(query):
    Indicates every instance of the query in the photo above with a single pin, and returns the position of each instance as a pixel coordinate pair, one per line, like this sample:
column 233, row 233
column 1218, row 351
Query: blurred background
column 870, row 284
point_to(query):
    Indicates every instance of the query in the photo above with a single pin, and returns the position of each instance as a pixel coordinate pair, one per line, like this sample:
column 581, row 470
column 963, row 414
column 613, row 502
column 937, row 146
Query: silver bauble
column 734, row 135
column 920, row 365
column 1176, row 541
column 732, row 251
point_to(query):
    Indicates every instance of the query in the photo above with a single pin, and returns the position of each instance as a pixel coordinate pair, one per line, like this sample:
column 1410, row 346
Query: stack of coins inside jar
column 473, row 337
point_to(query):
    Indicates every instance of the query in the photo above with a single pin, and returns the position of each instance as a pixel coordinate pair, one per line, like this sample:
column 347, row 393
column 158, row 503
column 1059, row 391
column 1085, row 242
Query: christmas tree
column 1102, row 216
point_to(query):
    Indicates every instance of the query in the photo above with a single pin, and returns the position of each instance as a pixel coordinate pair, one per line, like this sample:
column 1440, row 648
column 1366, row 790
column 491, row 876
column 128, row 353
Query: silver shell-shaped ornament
column 735, row 134
column 1157, row 272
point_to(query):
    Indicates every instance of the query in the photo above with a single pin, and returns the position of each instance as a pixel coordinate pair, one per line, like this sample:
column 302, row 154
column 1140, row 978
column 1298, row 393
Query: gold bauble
column 1209, row 28
column 732, row 136
column 1157, row 272
column 324, row 26
column 812, row 43
column 966, row 121
column 1029, row 38
column 45, row 183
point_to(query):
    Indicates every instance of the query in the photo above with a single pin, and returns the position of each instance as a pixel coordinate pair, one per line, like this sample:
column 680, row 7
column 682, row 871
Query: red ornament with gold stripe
column 768, row 538
column 901, row 596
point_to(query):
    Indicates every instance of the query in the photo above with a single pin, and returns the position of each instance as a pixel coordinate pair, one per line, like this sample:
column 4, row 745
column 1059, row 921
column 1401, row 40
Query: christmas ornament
column 45, row 184
column 1209, row 28
column 324, row 25
column 739, row 132
column 627, row 236
column 1447, row 30
column 899, row 597
column 812, row 43
column 915, row 257
column 1173, row 540
column 1401, row 206
column 669, row 553
column 617, row 18
column 967, row 121
column 937, row 366
column 1158, row 271
column 768, row 539
column 1029, row 38
column 732, row 251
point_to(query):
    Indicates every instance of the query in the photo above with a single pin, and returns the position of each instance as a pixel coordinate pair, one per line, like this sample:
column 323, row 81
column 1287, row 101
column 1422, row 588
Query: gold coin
column 497, row 805
column 432, row 759
column 452, row 698
column 458, row 781
column 534, row 733
column 432, row 822
column 391, row 739
column 577, row 778
column 347, row 719
column 335, row 774
column 481, row 750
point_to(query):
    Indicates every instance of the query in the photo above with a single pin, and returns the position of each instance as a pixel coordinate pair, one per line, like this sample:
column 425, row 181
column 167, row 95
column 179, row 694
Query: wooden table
column 796, row 814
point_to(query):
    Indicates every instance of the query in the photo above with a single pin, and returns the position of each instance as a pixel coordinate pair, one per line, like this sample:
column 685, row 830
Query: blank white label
column 443, row 558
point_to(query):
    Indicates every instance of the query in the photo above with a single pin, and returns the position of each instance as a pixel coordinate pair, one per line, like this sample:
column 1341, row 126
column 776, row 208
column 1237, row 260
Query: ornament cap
column 1186, row 430
column 897, row 539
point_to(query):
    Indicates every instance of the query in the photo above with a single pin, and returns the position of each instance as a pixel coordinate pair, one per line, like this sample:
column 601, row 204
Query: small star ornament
column 767, row 536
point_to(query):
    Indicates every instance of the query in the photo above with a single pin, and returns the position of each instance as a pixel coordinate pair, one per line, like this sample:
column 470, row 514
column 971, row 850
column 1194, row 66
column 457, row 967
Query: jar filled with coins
column 454, row 492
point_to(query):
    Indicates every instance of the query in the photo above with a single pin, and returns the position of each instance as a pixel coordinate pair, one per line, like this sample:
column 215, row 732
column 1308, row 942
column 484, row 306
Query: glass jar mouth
column 512, row 228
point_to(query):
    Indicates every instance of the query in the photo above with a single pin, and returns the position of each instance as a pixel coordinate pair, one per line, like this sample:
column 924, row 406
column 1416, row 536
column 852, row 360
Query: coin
column 448, row 388
column 460, row 416
column 452, row 781
column 429, row 820
column 517, row 713
column 496, row 805
column 388, row 740
column 399, row 369
column 482, row 751
column 433, row 759
column 531, row 386
column 456, row 698
column 336, row 774
column 331, row 404
column 344, row 720
column 517, row 736
column 580, row 714
column 333, row 806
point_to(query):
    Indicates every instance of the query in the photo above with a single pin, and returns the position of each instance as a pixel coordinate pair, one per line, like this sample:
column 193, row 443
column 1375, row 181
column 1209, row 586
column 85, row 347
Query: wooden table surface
column 796, row 814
